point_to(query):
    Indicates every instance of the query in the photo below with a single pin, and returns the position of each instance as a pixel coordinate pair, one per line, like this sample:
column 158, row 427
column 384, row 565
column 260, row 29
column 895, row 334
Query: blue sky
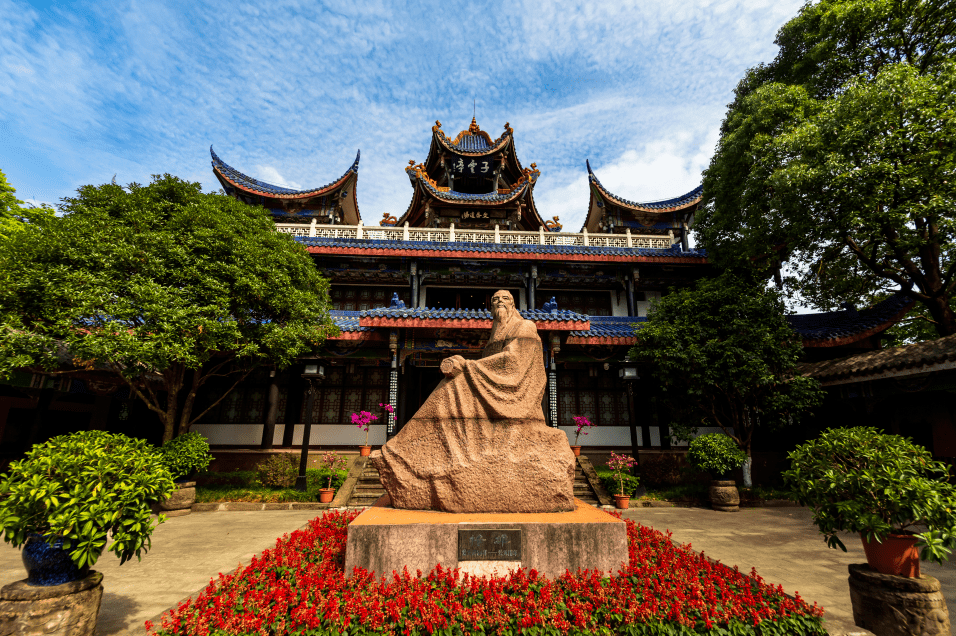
column 288, row 91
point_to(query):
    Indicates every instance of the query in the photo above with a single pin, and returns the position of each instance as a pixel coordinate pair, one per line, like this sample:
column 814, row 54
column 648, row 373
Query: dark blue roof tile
column 680, row 201
column 841, row 324
column 267, row 188
column 504, row 248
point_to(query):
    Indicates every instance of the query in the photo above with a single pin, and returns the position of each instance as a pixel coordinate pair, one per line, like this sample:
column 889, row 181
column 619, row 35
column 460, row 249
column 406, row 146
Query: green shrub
column 612, row 485
column 186, row 454
column 278, row 471
column 715, row 453
column 81, row 487
column 861, row 480
column 318, row 477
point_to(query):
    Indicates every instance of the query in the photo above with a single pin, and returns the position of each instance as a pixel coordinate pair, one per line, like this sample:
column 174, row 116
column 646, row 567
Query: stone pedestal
column 179, row 501
column 890, row 605
column 724, row 495
column 384, row 539
column 69, row 609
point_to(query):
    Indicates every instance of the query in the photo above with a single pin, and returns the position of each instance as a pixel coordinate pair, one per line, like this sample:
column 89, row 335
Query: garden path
column 782, row 543
column 787, row 549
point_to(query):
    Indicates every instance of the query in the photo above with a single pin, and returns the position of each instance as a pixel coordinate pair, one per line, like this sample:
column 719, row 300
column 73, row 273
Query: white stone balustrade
column 458, row 235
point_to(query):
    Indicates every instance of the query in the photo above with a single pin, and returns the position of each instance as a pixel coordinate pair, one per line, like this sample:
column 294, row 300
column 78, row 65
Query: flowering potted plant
column 363, row 419
column 620, row 464
column 718, row 454
column 582, row 424
column 860, row 480
column 183, row 456
column 332, row 461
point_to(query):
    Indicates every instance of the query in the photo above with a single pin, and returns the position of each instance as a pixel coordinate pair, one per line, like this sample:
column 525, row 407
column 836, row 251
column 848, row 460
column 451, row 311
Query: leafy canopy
column 839, row 158
column 12, row 213
column 163, row 285
column 725, row 357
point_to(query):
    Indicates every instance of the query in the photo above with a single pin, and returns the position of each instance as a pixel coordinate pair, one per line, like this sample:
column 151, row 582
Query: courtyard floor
column 781, row 543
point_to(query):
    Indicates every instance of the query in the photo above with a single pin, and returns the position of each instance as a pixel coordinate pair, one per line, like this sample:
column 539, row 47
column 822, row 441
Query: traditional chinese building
column 410, row 291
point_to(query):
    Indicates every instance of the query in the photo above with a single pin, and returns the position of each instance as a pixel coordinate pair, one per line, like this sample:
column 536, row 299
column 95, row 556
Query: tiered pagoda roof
column 610, row 213
column 472, row 181
column 336, row 200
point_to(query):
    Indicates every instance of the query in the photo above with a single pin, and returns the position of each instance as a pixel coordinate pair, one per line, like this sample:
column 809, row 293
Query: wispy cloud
column 288, row 91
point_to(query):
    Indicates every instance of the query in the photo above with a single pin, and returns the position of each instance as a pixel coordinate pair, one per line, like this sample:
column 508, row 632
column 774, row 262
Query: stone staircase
column 366, row 487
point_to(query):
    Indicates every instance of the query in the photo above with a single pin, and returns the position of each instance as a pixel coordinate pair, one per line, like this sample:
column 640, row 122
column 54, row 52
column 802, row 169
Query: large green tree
column 839, row 158
column 163, row 285
column 13, row 214
column 725, row 356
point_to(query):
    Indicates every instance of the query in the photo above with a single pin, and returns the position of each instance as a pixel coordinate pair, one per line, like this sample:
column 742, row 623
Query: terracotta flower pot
column 365, row 451
column 896, row 555
column 622, row 501
column 576, row 450
column 326, row 495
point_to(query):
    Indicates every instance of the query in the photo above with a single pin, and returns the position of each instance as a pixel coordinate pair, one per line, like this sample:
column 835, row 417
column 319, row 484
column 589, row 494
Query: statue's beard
column 502, row 313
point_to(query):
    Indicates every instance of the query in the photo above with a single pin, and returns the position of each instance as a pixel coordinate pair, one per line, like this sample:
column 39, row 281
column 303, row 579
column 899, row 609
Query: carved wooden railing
column 452, row 235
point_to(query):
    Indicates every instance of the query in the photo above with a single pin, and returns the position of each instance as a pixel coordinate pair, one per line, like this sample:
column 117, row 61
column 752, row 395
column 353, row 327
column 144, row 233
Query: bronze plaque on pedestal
column 489, row 544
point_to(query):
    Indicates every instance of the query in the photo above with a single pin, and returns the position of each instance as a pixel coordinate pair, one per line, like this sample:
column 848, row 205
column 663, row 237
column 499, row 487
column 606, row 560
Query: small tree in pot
column 860, row 480
column 718, row 454
column 74, row 490
column 184, row 456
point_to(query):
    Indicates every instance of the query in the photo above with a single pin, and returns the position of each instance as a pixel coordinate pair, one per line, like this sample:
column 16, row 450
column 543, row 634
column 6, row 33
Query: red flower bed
column 300, row 588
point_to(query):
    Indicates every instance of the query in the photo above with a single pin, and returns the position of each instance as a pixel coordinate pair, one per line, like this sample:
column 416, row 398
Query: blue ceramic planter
column 48, row 565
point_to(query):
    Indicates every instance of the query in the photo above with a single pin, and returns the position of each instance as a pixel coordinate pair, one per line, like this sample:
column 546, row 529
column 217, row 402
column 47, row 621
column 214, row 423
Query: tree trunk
column 748, row 481
column 942, row 313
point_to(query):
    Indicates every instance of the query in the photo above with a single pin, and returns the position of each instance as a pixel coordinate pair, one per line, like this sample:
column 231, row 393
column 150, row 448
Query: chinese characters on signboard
column 474, row 214
column 489, row 545
column 470, row 166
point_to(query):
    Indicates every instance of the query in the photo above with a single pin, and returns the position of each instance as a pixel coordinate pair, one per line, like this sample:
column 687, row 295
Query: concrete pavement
column 781, row 543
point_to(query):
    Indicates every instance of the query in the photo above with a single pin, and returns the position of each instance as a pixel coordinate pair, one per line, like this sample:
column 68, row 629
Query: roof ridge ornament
column 473, row 128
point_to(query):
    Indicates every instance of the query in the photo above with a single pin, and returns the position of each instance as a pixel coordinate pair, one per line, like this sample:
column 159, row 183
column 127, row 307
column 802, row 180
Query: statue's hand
column 452, row 366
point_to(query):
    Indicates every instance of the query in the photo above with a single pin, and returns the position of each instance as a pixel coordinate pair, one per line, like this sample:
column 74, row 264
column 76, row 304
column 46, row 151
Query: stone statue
column 479, row 443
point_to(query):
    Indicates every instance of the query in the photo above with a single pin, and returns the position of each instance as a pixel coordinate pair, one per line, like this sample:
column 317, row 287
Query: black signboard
column 489, row 544
column 472, row 166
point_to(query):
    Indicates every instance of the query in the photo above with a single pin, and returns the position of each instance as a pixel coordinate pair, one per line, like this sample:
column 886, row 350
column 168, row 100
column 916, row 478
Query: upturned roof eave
column 223, row 177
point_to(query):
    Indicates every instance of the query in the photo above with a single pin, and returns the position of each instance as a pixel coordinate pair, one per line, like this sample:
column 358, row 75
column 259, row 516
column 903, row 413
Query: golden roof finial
column 508, row 128
column 473, row 128
column 411, row 162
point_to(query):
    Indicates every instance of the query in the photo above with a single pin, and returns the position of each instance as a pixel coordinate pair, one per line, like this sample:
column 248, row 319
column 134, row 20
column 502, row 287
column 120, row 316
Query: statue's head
column 503, row 305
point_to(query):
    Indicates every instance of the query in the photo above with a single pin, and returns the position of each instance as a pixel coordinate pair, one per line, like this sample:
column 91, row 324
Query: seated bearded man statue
column 479, row 443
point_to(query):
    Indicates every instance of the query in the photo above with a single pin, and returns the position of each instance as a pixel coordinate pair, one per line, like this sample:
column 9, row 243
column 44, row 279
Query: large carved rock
column 479, row 443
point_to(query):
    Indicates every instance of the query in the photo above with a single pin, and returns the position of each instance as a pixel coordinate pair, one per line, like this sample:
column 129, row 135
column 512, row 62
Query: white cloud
column 271, row 175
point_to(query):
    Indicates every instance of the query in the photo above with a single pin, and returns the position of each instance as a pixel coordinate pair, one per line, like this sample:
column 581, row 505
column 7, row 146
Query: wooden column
column 272, row 411
column 293, row 404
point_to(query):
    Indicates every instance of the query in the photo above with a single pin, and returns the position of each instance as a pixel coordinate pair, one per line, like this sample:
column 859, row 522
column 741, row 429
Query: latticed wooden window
column 342, row 394
column 601, row 399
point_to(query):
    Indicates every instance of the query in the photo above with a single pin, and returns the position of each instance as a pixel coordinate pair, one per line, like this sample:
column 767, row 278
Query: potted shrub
column 62, row 501
column 184, row 456
column 718, row 454
column 861, row 480
column 621, row 465
column 331, row 461
column 363, row 419
column 582, row 424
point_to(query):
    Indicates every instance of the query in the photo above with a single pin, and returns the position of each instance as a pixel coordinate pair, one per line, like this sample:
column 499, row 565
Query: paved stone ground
column 782, row 543
column 787, row 549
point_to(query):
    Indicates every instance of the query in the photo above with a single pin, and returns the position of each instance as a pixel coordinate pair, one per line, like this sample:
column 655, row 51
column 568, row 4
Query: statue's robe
column 479, row 443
